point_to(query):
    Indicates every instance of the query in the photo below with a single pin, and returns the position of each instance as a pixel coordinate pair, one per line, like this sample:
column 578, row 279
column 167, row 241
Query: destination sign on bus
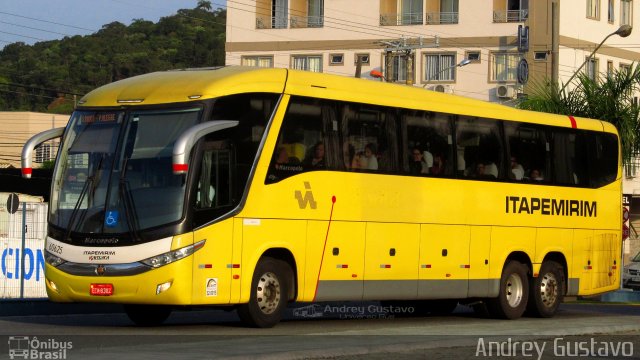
column 98, row 117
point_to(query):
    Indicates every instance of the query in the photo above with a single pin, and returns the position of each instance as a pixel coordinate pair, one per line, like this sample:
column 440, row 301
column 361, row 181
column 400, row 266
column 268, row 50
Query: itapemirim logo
column 25, row 347
column 308, row 197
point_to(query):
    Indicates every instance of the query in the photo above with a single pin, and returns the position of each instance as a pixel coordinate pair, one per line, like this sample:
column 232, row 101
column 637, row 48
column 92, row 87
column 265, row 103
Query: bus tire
column 147, row 315
column 268, row 299
column 514, row 292
column 547, row 290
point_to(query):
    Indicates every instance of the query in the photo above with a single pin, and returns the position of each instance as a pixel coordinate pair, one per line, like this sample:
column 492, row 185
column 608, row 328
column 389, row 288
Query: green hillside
column 45, row 76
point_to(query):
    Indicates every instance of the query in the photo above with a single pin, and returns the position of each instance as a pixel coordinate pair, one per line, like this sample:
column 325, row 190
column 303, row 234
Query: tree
column 609, row 98
column 33, row 77
column 204, row 5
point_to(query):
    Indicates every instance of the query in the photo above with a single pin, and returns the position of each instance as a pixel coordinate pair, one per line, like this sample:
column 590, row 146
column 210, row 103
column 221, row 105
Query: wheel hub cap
column 268, row 293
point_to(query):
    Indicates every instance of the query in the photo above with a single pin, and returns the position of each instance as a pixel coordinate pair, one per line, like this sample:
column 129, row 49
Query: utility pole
column 405, row 48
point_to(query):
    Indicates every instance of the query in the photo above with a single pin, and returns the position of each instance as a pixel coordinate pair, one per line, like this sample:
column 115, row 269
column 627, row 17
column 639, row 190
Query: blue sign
column 111, row 220
column 33, row 262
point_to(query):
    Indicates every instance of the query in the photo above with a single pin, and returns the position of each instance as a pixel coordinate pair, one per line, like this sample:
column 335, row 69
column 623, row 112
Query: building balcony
column 266, row 22
column 438, row 18
column 395, row 19
column 507, row 16
column 306, row 22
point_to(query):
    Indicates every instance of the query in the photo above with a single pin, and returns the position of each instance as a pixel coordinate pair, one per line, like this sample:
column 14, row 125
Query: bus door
column 391, row 261
column 444, row 261
column 212, row 266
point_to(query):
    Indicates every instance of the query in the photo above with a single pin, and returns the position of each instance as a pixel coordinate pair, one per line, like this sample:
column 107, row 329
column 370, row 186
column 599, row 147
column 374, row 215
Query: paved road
column 319, row 332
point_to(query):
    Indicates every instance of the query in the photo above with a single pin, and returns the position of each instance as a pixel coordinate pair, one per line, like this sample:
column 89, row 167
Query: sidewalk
column 624, row 296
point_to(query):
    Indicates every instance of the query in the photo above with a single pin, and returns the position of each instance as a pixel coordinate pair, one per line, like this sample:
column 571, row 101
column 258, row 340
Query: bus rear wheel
column 147, row 315
column 514, row 292
column 547, row 290
column 269, row 289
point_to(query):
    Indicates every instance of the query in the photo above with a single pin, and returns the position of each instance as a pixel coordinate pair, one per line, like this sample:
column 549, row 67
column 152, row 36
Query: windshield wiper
column 83, row 192
column 128, row 204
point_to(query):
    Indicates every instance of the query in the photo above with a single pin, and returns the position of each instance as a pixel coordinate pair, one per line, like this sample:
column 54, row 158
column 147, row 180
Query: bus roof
column 197, row 84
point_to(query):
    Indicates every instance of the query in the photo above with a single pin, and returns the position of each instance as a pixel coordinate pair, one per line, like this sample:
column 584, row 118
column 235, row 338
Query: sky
column 30, row 21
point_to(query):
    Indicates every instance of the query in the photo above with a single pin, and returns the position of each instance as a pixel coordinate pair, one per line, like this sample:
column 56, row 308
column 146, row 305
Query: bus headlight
column 53, row 260
column 171, row 256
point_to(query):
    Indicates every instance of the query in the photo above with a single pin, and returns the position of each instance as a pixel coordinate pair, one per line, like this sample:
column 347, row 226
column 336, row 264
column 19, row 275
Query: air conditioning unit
column 505, row 91
column 447, row 89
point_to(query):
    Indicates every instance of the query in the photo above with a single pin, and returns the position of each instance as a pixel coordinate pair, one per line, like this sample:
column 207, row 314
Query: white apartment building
column 420, row 41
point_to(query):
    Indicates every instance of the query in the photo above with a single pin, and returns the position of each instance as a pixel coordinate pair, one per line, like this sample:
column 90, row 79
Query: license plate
column 101, row 290
column 635, row 278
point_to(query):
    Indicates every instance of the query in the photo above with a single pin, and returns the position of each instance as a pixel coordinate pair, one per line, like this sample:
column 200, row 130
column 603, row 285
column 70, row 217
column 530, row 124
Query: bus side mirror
column 27, row 150
column 188, row 139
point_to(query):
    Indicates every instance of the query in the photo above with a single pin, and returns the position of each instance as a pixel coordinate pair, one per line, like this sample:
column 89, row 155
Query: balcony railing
column 307, row 21
column 266, row 22
column 438, row 18
column 395, row 19
column 502, row 16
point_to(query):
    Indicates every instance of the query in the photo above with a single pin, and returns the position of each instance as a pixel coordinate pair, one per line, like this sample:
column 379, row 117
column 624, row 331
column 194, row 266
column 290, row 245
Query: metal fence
column 22, row 238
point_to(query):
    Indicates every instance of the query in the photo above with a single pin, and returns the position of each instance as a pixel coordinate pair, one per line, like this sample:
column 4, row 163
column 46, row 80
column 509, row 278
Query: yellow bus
column 254, row 188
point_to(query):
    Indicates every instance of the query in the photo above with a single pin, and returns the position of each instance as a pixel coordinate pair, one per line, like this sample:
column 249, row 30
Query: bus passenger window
column 303, row 144
column 429, row 143
column 481, row 145
column 368, row 138
column 528, row 150
column 569, row 160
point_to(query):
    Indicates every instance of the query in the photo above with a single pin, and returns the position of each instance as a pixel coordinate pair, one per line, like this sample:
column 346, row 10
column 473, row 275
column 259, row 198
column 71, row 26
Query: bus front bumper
column 168, row 285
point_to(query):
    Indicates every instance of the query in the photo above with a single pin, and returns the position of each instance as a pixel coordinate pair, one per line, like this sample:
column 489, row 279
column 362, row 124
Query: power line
column 33, row 28
column 47, row 21
column 24, row 36
column 39, row 88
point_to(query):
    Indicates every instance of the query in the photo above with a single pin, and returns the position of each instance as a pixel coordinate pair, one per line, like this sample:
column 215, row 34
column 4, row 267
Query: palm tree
column 204, row 5
column 609, row 98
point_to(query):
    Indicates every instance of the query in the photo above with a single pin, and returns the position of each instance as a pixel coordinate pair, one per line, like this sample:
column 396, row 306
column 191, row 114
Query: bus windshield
column 115, row 166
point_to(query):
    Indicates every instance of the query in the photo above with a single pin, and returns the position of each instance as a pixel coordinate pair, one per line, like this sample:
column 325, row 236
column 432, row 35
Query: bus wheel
column 547, row 290
column 514, row 291
column 147, row 315
column 269, row 289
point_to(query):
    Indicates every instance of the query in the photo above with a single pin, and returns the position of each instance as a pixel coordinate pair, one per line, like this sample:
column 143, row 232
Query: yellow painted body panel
column 444, row 252
column 346, row 263
column 391, row 251
column 212, row 263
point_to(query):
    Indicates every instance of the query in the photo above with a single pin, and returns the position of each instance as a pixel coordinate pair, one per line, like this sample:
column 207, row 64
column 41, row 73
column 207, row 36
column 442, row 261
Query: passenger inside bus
column 536, row 175
column 491, row 170
column 370, row 160
column 438, row 167
column 417, row 164
column 517, row 171
column 316, row 158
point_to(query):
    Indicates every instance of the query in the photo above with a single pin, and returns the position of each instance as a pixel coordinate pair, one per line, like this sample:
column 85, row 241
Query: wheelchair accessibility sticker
column 111, row 220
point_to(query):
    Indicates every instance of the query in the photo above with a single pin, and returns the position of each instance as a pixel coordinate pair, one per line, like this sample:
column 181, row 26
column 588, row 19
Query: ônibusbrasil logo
column 25, row 347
